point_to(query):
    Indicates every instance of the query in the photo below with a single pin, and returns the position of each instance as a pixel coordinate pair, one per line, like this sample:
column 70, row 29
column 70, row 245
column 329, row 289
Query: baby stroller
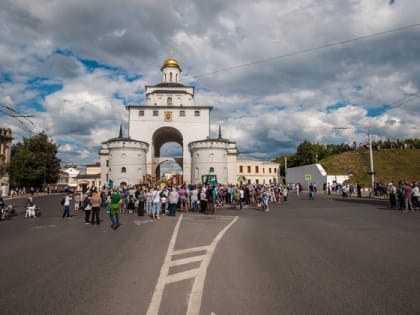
column 30, row 211
column 131, row 204
column 219, row 202
column 260, row 203
column 8, row 212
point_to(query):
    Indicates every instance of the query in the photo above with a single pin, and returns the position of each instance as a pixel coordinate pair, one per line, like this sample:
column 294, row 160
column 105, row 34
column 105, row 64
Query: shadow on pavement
column 379, row 203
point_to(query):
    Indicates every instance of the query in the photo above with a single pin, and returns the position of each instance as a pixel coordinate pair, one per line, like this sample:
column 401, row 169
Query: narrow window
column 170, row 77
column 155, row 113
column 123, row 169
column 241, row 169
column 197, row 113
column 141, row 112
column 249, row 169
column 257, row 169
column 169, row 101
column 182, row 113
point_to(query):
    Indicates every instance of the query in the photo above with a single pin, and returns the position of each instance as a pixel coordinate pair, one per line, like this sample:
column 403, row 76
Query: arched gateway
column 170, row 115
column 162, row 136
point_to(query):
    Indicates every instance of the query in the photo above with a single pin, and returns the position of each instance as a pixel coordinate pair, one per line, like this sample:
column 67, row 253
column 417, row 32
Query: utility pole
column 285, row 166
column 372, row 172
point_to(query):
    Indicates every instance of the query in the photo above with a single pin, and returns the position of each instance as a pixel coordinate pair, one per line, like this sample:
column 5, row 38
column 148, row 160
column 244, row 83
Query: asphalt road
column 326, row 256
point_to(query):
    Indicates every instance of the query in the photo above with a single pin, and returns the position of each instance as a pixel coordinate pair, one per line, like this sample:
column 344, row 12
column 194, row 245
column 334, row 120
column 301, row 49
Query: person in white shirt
column 149, row 202
column 67, row 201
column 156, row 203
column 285, row 192
column 173, row 199
column 30, row 209
column 415, row 196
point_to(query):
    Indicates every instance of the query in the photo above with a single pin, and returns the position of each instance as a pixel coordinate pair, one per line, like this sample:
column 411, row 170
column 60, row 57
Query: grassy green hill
column 388, row 165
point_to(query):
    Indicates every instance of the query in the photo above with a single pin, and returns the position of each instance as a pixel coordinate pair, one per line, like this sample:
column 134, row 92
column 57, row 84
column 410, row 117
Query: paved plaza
column 325, row 256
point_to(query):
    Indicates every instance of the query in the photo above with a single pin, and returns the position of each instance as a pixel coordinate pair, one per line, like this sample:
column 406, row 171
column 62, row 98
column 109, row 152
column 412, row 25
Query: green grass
column 388, row 165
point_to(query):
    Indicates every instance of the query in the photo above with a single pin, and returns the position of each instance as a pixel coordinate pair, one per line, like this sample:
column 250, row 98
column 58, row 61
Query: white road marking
column 138, row 222
column 197, row 290
column 38, row 227
column 160, row 285
column 198, row 274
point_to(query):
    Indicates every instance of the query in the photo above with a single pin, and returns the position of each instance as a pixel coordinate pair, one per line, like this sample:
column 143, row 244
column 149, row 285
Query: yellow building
column 77, row 179
column 90, row 178
column 250, row 171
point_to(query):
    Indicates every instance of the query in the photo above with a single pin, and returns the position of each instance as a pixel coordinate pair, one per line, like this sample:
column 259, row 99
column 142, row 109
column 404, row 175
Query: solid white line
column 160, row 285
column 196, row 296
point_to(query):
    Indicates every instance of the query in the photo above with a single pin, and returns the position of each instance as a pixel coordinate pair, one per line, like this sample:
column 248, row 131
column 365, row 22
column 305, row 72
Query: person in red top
column 407, row 196
column 183, row 198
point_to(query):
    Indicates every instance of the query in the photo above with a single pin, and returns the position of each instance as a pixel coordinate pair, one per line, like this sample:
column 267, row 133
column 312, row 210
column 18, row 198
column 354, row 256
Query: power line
column 304, row 51
column 16, row 115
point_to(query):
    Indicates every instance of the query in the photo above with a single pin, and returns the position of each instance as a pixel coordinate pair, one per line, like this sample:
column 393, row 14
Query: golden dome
column 171, row 62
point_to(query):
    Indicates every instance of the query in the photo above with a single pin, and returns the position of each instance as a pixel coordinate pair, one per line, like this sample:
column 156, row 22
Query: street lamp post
column 372, row 172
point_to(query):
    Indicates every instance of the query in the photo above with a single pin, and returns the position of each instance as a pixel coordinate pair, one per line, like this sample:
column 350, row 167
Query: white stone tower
column 169, row 115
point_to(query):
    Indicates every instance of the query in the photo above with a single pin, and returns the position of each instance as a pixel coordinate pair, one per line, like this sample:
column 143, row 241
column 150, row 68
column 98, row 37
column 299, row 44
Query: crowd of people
column 404, row 195
column 155, row 201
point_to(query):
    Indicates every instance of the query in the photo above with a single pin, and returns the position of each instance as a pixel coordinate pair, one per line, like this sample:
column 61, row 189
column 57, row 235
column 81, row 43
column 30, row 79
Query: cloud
column 74, row 65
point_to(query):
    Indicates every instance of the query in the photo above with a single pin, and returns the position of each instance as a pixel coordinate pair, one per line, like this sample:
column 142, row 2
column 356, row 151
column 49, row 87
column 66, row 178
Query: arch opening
column 168, row 152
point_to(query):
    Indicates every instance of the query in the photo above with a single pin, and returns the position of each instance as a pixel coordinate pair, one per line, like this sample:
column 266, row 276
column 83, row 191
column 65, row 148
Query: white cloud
column 267, row 107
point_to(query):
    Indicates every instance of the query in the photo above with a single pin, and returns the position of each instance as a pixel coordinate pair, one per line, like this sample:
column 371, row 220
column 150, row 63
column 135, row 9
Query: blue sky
column 74, row 70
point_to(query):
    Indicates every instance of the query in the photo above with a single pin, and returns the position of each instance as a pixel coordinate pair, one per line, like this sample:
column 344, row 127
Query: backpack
column 63, row 201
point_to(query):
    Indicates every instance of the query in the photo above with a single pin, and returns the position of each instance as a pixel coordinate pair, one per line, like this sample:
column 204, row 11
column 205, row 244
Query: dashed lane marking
column 138, row 222
column 39, row 227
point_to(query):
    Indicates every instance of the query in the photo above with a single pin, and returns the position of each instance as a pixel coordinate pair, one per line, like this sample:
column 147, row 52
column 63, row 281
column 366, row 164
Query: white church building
column 169, row 115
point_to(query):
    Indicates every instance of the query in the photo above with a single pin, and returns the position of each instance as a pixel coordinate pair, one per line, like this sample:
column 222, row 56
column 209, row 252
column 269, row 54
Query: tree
column 33, row 162
column 305, row 153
